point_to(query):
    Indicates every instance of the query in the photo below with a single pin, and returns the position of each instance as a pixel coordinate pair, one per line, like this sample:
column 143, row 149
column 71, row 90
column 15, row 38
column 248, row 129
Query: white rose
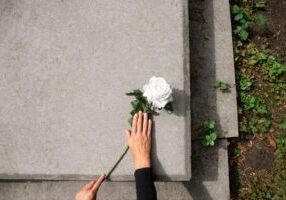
column 158, row 92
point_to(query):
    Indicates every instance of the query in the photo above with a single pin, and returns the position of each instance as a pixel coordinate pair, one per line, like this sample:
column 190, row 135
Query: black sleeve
column 145, row 188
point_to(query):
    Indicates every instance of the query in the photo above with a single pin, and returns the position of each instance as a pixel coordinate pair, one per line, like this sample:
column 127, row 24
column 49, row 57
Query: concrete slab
column 65, row 67
column 211, row 59
column 209, row 181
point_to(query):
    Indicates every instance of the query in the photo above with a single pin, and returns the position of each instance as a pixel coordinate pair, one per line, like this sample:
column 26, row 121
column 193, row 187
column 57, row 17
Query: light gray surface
column 211, row 59
column 64, row 69
column 209, row 181
column 212, row 180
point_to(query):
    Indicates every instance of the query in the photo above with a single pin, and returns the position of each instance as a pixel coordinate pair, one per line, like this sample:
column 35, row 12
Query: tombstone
column 65, row 67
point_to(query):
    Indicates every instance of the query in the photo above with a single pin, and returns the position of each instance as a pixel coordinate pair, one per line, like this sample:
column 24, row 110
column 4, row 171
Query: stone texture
column 209, row 181
column 65, row 67
column 211, row 59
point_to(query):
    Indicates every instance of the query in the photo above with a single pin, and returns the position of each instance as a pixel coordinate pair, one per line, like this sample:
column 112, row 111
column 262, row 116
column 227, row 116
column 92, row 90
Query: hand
column 139, row 140
column 89, row 191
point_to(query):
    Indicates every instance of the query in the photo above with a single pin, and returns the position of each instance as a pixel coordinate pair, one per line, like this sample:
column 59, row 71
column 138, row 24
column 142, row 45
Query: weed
column 253, row 103
column 245, row 83
column 282, row 126
column 273, row 69
column 262, row 61
column 222, row 86
column 236, row 152
column 259, row 5
column 244, row 20
column 257, row 65
column 260, row 19
column 210, row 134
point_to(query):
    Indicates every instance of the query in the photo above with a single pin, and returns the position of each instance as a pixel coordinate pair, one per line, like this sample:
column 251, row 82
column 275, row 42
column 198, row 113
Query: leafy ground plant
column 222, row 86
column 244, row 20
column 209, row 134
column 261, row 76
column 245, row 83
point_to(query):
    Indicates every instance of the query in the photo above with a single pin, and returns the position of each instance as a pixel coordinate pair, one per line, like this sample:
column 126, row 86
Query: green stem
column 117, row 162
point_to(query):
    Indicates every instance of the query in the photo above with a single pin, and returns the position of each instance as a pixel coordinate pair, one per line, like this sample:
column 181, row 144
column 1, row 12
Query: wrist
column 146, row 163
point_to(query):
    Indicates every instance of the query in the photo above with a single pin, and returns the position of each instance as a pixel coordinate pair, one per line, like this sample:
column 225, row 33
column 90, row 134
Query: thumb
column 97, row 184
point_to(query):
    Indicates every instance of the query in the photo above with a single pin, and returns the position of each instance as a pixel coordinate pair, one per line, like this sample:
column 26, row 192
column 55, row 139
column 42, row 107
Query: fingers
column 139, row 122
column 149, row 127
column 145, row 123
column 97, row 184
column 134, row 123
column 88, row 185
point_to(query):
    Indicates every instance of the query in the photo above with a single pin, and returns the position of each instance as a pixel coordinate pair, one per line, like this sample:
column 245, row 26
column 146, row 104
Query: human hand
column 139, row 140
column 89, row 191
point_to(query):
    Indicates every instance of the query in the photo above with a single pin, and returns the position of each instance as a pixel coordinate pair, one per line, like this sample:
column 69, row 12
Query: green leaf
column 223, row 87
column 260, row 5
column 149, row 110
column 135, row 93
column 209, row 124
column 252, row 62
column 235, row 9
column 282, row 126
column 213, row 136
column 169, row 107
column 135, row 103
column 243, row 35
column 245, row 83
column 238, row 17
column 260, row 19
column 210, row 135
column 142, row 99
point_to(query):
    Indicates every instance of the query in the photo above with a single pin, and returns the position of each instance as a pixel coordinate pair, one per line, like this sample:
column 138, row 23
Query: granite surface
column 65, row 67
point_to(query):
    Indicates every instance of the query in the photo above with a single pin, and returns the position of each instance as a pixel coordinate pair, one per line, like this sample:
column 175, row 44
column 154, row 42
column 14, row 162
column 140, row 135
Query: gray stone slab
column 64, row 69
column 211, row 59
column 209, row 181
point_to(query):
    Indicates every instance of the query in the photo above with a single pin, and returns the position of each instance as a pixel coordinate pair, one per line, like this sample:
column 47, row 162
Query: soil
column 256, row 153
column 274, row 34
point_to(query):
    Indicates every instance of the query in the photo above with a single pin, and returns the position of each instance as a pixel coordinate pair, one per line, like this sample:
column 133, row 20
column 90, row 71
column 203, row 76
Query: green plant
column 243, row 19
column 222, row 86
column 260, row 19
column 263, row 61
column 253, row 103
column 140, row 103
column 273, row 69
column 283, row 125
column 210, row 134
column 254, row 113
column 281, row 148
column 245, row 83
column 242, row 22
column 268, row 74
column 259, row 4
column 236, row 152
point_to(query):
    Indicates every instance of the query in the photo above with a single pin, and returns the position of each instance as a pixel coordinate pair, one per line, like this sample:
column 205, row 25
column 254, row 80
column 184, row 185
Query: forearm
column 145, row 188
